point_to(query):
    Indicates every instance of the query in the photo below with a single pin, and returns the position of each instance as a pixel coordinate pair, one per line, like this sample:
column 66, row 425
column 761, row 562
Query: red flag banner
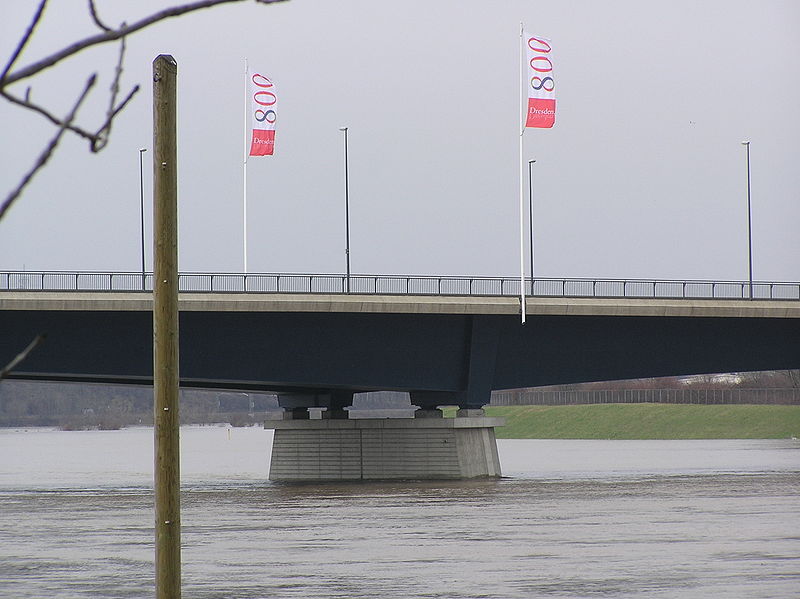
column 262, row 104
column 541, row 82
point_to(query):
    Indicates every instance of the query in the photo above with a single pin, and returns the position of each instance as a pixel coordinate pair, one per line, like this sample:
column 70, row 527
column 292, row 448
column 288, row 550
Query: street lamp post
column 346, row 210
column 746, row 144
column 530, row 214
column 141, row 209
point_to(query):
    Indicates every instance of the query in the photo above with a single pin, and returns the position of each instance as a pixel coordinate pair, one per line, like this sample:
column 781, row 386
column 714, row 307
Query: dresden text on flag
column 262, row 105
column 541, row 82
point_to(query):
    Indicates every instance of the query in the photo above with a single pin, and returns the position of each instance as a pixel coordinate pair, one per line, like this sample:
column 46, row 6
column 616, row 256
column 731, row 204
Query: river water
column 570, row 519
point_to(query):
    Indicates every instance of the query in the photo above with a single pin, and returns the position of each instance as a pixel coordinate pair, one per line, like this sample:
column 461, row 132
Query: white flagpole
column 246, row 152
column 521, row 174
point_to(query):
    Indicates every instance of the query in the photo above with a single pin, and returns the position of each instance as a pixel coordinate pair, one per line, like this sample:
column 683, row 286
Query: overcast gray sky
column 643, row 175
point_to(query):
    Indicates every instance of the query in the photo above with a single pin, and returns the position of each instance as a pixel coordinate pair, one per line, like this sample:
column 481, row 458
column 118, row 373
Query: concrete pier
column 385, row 448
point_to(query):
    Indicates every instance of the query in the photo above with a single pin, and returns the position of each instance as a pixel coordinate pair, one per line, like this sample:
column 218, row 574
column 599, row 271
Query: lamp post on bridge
column 346, row 210
column 746, row 144
column 141, row 208
column 530, row 213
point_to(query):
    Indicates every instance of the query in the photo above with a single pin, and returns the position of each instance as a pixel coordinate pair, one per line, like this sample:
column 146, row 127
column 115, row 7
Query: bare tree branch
column 24, row 40
column 110, row 36
column 117, row 76
column 98, row 139
column 101, row 138
column 26, row 103
column 96, row 18
column 21, row 356
column 48, row 151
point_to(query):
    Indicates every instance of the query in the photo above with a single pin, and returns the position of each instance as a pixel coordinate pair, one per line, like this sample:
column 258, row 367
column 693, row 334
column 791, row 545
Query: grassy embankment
column 648, row 421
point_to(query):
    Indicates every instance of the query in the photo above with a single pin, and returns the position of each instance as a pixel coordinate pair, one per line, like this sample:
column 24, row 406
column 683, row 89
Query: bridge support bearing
column 384, row 449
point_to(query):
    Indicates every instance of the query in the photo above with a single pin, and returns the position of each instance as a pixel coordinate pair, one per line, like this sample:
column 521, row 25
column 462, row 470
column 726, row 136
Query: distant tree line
column 81, row 406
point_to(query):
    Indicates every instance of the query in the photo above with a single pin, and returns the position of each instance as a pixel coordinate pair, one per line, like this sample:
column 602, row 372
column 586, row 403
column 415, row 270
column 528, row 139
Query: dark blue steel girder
column 440, row 358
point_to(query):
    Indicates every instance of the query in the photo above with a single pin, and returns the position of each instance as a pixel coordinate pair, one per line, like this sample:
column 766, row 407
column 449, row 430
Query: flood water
column 570, row 519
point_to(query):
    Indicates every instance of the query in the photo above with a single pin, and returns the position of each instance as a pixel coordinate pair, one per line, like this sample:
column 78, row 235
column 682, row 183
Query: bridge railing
column 400, row 285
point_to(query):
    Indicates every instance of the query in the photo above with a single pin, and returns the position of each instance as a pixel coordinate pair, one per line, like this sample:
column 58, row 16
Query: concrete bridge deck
column 402, row 304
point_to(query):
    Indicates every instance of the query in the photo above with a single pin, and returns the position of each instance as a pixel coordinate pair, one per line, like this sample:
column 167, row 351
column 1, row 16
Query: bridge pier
column 425, row 447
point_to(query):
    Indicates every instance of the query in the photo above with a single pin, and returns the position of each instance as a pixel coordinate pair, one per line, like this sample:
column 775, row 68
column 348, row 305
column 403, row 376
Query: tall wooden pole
column 165, row 330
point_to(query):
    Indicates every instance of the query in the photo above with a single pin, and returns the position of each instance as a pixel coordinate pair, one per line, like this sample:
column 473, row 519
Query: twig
column 92, row 138
column 48, row 151
column 101, row 137
column 21, row 356
column 115, row 34
column 26, row 103
column 95, row 18
column 117, row 76
column 22, row 42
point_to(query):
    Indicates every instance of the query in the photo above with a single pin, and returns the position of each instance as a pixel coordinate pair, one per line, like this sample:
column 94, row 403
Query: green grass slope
column 648, row 421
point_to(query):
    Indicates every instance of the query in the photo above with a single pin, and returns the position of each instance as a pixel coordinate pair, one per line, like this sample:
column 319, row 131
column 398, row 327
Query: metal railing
column 540, row 397
column 400, row 285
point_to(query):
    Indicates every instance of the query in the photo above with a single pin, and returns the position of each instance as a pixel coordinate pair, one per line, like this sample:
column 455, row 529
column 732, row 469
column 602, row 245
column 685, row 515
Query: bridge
column 445, row 340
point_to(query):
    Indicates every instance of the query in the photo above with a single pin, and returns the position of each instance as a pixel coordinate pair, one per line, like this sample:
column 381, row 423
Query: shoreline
column 640, row 421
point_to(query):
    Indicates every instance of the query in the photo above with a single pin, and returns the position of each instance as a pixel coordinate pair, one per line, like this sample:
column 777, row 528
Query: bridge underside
column 322, row 358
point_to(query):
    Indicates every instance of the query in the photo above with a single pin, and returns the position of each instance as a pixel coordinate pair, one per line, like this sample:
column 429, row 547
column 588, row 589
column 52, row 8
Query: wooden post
column 165, row 330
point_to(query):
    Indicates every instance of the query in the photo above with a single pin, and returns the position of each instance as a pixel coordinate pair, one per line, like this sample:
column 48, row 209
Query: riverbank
column 595, row 421
column 648, row 421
